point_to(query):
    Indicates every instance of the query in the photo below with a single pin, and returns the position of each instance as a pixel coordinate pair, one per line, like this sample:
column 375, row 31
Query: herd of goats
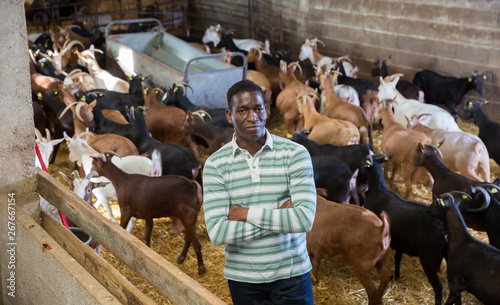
column 139, row 146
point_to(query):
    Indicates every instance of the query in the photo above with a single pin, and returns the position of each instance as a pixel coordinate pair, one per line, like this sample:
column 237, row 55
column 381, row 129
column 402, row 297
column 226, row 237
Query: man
column 259, row 200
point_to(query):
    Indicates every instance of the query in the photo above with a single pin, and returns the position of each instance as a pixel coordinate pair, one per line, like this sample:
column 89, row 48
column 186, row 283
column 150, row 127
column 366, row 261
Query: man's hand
column 287, row 205
column 237, row 213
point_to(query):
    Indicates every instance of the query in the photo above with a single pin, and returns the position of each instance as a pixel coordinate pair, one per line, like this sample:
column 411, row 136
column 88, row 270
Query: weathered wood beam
column 165, row 277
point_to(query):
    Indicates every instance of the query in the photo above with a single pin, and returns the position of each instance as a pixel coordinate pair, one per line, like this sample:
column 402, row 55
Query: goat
column 46, row 146
column 326, row 130
column 215, row 137
column 103, row 79
column 401, row 143
column 351, row 235
column 165, row 123
column 448, row 91
column 176, row 96
column 213, row 34
column 489, row 130
column 152, row 197
column 286, row 102
column 83, row 187
column 336, row 177
column 413, row 230
column 336, row 108
column 471, row 265
column 462, row 152
column 272, row 73
column 483, row 211
column 405, row 108
column 407, row 89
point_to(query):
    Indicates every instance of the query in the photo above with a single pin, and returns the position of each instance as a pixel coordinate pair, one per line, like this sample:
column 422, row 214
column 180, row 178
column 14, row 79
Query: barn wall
column 453, row 38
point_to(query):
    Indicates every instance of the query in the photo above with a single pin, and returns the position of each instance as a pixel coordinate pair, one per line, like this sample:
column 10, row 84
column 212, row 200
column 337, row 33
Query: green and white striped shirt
column 271, row 244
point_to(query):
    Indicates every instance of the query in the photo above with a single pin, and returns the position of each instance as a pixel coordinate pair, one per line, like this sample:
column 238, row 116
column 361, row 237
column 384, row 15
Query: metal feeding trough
column 81, row 235
column 167, row 59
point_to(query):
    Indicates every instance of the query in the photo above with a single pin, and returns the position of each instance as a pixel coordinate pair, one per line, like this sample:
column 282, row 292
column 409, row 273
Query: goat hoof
column 180, row 260
column 201, row 270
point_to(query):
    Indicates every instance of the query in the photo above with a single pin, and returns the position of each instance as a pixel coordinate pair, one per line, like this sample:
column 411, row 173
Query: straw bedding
column 337, row 283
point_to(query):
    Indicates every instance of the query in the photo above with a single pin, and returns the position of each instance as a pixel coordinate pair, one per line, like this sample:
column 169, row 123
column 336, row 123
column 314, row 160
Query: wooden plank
column 165, row 277
column 100, row 269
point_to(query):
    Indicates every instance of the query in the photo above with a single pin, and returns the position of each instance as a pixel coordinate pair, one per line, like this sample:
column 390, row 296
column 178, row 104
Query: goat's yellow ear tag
column 156, row 91
column 232, row 33
column 42, row 64
column 386, row 61
column 75, row 52
column 45, row 45
column 464, row 197
column 145, row 91
column 68, row 143
column 176, row 89
column 84, row 22
column 83, row 98
column 56, row 92
column 438, row 144
column 469, row 104
column 100, row 94
column 470, row 79
column 144, row 112
column 368, row 162
column 39, row 95
column 129, row 78
column 140, row 24
column 484, row 77
column 288, row 136
column 254, row 51
column 421, row 148
column 441, row 202
column 143, row 78
column 67, row 37
column 494, row 191
column 191, row 117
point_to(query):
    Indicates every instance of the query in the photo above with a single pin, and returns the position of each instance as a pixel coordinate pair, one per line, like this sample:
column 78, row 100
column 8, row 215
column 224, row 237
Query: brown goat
column 286, row 102
column 146, row 198
column 336, row 108
column 215, row 137
column 401, row 143
column 326, row 130
column 351, row 235
column 165, row 123
column 272, row 73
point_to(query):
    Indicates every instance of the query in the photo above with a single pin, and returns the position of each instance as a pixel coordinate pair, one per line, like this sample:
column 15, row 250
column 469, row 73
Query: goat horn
column 78, row 109
column 70, row 45
column 260, row 53
column 345, row 57
column 295, row 64
column 32, row 56
column 85, row 133
column 486, row 203
column 437, row 149
column 91, row 175
column 201, row 112
column 66, row 109
column 460, row 193
column 65, row 177
column 38, row 135
column 109, row 153
column 75, row 174
column 317, row 40
column 47, row 133
column 74, row 72
column 423, row 114
column 447, row 195
column 184, row 85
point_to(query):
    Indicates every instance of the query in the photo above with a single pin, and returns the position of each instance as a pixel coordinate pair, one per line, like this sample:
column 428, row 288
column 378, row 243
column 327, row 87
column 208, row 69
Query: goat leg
column 397, row 260
column 363, row 274
column 147, row 231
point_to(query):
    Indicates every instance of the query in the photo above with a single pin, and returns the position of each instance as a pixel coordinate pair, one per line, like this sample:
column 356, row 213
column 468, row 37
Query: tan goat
column 351, row 235
column 336, row 108
column 286, row 102
column 326, row 130
column 401, row 143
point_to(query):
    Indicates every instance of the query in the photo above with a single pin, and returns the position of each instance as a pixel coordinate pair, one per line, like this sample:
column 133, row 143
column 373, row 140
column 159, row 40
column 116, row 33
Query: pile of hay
column 337, row 283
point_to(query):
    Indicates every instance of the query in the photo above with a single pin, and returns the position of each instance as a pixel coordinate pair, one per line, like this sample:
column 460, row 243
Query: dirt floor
column 337, row 283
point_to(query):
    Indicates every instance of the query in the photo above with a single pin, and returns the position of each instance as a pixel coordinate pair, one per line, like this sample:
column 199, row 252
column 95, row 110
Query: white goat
column 46, row 147
column 407, row 108
column 81, row 152
column 103, row 79
column 213, row 34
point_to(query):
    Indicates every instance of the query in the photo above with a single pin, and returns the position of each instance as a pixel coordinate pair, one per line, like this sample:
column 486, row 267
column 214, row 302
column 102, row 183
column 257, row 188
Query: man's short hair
column 242, row 86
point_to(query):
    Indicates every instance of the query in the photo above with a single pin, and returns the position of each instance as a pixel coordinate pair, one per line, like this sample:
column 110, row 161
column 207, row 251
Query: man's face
column 248, row 116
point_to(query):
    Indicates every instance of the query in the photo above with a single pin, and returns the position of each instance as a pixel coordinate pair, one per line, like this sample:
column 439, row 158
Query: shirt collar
column 269, row 143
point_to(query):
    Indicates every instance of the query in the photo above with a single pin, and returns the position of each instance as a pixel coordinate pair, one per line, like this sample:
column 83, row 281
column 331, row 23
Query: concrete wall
column 452, row 38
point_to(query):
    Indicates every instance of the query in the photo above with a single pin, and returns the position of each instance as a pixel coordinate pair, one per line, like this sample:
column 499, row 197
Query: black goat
column 472, row 265
column 413, row 230
column 104, row 125
column 116, row 100
column 483, row 211
column 335, row 176
column 448, row 91
column 445, row 180
column 175, row 159
column 176, row 96
column 489, row 130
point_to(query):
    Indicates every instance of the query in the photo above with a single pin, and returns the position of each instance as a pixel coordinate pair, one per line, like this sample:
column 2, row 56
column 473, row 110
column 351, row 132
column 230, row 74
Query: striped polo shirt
column 271, row 244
